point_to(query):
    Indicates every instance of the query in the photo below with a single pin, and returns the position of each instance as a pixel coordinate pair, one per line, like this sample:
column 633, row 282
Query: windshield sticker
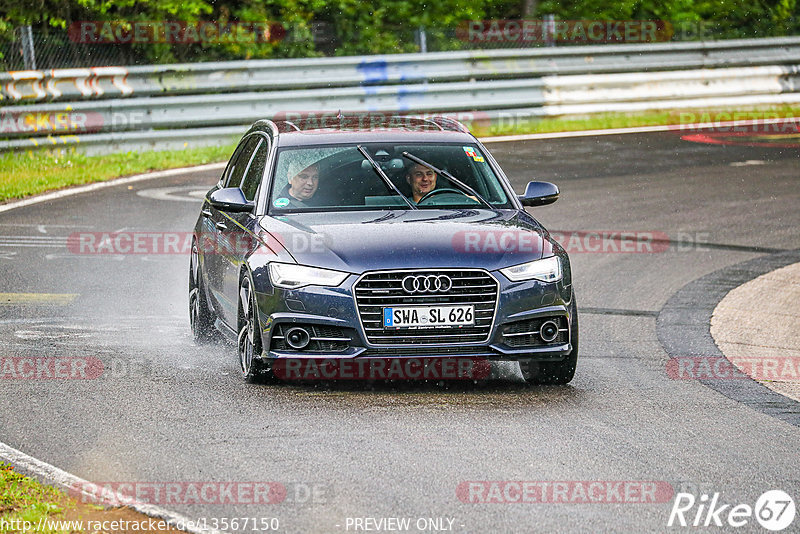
column 474, row 155
column 280, row 202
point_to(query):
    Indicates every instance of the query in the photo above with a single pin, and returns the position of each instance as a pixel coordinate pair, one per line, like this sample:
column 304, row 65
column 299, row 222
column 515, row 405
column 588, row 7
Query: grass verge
column 600, row 121
column 23, row 499
column 29, row 173
column 28, row 506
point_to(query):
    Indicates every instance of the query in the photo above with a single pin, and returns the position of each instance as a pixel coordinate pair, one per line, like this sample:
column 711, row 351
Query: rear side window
column 242, row 161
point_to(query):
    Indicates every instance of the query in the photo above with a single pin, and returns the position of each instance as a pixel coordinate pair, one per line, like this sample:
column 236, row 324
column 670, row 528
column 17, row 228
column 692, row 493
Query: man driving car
column 421, row 179
column 302, row 185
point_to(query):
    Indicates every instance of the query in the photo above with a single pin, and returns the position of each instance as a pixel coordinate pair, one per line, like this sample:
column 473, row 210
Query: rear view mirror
column 230, row 199
column 539, row 194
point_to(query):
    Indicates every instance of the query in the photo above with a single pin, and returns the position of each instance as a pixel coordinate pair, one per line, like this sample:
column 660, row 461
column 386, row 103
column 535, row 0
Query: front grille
column 374, row 291
column 323, row 338
column 526, row 333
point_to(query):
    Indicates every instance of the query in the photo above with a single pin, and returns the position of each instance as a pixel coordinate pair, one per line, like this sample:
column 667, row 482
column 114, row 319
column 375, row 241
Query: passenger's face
column 422, row 181
column 303, row 185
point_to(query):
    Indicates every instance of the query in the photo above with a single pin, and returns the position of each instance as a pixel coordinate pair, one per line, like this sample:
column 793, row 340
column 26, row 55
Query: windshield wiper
column 452, row 179
column 383, row 176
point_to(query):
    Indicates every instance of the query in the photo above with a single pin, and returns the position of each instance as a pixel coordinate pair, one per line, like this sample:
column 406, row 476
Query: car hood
column 362, row 241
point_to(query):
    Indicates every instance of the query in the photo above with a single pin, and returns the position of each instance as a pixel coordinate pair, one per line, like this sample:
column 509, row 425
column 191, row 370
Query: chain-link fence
column 103, row 44
column 54, row 50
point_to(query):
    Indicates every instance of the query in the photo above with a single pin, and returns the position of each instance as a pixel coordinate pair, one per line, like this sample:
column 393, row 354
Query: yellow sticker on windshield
column 474, row 155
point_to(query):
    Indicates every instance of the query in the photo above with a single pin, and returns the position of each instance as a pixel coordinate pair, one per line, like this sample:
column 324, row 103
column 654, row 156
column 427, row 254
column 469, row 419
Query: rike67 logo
column 774, row 510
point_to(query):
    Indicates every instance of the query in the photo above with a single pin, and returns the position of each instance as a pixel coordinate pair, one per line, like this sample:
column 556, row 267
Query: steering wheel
column 440, row 191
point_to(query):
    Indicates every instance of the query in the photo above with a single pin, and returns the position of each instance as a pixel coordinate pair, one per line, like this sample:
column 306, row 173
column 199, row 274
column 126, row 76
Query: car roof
column 351, row 129
column 325, row 137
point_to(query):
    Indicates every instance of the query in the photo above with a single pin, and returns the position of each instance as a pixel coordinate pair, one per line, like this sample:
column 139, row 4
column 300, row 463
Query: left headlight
column 545, row 270
column 292, row 276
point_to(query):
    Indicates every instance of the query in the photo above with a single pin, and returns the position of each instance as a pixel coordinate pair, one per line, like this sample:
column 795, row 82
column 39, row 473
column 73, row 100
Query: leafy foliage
column 345, row 27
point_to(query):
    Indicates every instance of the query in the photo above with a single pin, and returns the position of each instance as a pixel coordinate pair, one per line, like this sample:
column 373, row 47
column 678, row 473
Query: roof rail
column 367, row 119
column 284, row 126
column 271, row 127
column 447, row 123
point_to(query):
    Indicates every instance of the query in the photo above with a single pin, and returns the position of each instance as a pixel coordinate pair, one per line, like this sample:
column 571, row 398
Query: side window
column 231, row 165
column 239, row 166
column 256, row 172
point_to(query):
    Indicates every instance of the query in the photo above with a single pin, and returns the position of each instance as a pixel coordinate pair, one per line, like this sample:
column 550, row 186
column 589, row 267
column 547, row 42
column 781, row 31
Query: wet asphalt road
column 167, row 410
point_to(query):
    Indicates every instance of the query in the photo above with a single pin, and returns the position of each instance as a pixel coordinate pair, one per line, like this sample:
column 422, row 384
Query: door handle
column 205, row 213
column 221, row 226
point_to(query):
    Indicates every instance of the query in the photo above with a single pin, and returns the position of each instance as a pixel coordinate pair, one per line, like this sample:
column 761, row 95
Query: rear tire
column 555, row 373
column 201, row 318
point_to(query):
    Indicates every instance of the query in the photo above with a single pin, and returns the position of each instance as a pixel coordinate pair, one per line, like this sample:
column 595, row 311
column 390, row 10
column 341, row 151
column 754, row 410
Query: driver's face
column 303, row 185
column 422, row 181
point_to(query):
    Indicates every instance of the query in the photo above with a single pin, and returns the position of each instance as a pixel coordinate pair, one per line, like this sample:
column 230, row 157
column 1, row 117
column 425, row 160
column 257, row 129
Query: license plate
column 421, row 316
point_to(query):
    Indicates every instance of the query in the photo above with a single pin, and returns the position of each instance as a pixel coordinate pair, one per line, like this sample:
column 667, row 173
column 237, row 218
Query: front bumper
column 332, row 319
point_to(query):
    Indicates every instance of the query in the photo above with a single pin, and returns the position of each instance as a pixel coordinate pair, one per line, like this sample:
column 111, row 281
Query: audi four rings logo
column 430, row 283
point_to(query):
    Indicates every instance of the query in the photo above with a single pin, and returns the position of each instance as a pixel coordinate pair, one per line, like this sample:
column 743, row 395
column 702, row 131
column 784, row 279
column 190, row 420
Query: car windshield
column 341, row 177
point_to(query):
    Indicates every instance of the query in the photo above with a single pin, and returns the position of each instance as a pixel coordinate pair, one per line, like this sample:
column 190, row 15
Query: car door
column 242, row 226
column 223, row 243
column 208, row 234
column 236, row 238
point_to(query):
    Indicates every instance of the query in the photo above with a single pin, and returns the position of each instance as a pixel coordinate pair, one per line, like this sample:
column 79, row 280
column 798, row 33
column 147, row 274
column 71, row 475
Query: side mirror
column 230, row 199
column 539, row 194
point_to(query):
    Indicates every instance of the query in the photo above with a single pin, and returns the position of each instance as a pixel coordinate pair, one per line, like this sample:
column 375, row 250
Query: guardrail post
column 28, row 53
column 549, row 30
column 422, row 40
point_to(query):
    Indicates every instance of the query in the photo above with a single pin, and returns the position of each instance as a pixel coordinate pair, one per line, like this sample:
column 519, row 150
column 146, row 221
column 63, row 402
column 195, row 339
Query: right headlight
column 292, row 276
column 545, row 270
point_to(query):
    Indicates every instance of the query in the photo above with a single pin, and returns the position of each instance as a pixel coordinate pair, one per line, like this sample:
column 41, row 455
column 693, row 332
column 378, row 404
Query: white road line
column 48, row 225
column 54, row 476
column 45, row 197
column 33, row 239
column 34, row 245
column 36, row 237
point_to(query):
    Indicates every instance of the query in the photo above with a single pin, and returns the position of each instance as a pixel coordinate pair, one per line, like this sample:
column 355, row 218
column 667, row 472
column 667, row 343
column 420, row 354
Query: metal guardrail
column 199, row 78
column 153, row 100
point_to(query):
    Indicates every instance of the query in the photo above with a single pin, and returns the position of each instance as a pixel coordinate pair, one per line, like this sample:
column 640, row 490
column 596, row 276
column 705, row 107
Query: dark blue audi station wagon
column 404, row 239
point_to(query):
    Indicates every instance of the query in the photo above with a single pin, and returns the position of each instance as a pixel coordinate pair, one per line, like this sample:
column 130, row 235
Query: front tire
column 201, row 318
column 249, row 338
column 555, row 373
